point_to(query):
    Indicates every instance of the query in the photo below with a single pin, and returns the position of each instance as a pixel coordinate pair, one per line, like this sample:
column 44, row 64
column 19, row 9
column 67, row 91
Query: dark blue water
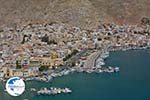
column 131, row 83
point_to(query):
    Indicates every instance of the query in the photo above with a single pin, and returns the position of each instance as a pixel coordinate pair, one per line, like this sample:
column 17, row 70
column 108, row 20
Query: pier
column 51, row 91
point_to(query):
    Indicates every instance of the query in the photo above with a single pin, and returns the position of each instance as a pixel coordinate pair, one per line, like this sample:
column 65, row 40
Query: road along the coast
column 90, row 62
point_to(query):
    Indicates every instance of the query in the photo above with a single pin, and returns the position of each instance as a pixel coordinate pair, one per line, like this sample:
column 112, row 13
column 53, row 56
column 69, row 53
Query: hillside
column 83, row 13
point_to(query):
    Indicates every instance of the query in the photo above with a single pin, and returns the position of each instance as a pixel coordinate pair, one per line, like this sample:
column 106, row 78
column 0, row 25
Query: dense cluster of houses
column 24, row 49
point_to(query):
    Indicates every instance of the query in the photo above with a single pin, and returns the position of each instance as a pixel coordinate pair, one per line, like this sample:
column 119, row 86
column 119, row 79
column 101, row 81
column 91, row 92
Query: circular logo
column 15, row 86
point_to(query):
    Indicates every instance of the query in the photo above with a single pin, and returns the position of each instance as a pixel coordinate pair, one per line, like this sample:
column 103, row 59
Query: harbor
column 99, row 86
column 74, row 50
column 94, row 64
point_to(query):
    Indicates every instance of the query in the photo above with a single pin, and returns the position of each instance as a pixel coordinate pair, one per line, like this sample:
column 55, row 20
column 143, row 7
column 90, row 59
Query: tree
column 23, row 41
column 73, row 63
column 43, row 68
column 1, row 30
column 18, row 66
column 45, row 39
column 51, row 42
column 70, row 55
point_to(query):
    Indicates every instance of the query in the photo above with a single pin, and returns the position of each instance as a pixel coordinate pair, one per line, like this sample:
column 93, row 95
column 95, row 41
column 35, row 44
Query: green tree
column 70, row 55
column 43, row 68
column 18, row 66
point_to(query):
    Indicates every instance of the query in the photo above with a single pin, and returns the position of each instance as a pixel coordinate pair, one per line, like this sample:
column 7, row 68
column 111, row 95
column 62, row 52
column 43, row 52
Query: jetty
column 51, row 91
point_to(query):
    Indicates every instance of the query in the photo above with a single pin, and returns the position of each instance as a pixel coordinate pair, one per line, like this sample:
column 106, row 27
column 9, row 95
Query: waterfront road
column 74, row 58
column 90, row 62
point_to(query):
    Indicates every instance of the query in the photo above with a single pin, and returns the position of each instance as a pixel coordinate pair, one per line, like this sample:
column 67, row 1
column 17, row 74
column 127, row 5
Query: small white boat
column 117, row 69
column 33, row 89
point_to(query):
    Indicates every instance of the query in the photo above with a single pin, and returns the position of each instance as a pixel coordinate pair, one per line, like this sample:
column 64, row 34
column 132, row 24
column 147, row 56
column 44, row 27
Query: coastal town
column 43, row 51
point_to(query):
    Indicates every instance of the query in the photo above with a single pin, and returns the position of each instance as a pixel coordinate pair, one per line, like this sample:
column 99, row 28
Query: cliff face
column 83, row 13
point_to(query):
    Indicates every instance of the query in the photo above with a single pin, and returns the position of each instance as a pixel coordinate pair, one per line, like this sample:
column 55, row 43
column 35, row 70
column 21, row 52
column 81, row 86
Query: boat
column 33, row 89
column 66, row 72
column 105, row 55
column 89, row 71
column 100, row 71
column 49, row 78
column 101, row 63
column 98, row 66
column 117, row 69
column 29, row 79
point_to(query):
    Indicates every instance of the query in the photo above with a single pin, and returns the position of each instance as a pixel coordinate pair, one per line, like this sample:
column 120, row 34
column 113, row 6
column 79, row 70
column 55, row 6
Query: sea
column 131, row 83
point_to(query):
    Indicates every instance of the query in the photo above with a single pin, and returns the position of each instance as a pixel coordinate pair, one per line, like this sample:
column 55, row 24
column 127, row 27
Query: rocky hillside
column 83, row 13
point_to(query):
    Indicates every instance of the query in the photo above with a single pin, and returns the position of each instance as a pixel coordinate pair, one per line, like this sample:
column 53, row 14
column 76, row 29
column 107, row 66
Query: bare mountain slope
column 84, row 13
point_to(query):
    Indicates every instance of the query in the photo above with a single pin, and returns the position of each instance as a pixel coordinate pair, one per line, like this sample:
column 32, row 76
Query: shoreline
column 102, row 68
column 57, row 91
column 108, row 81
column 64, row 59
